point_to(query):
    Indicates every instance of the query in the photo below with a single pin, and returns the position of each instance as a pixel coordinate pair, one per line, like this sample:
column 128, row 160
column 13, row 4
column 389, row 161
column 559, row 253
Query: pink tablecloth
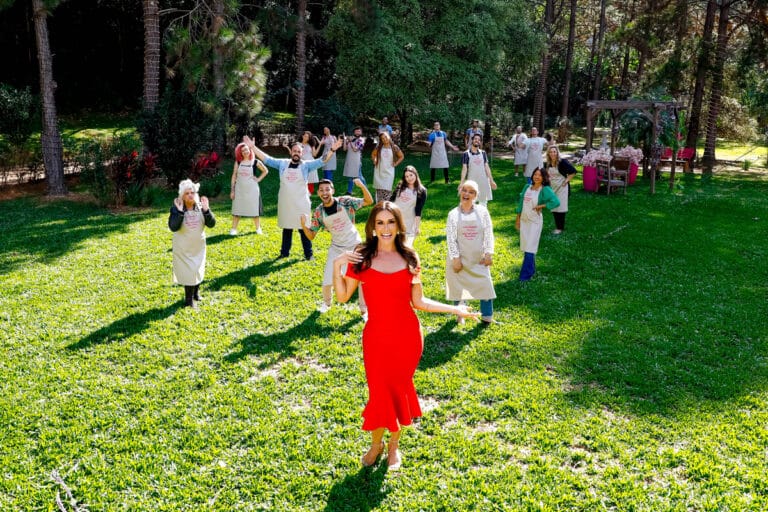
column 632, row 172
column 589, row 178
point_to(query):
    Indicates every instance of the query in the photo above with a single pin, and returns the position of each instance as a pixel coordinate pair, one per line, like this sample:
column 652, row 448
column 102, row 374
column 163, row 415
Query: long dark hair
column 402, row 184
column 544, row 177
column 370, row 247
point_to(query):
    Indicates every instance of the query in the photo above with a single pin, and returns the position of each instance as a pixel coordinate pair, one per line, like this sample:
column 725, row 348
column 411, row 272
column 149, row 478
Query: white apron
column 439, row 158
column 384, row 172
column 330, row 165
column 189, row 249
column 559, row 185
column 406, row 200
column 344, row 237
column 531, row 222
column 306, row 154
column 292, row 199
column 535, row 158
column 473, row 281
column 247, row 192
column 476, row 172
column 352, row 163
column 521, row 154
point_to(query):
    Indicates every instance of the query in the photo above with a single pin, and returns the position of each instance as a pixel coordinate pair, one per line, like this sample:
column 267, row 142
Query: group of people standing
column 383, row 267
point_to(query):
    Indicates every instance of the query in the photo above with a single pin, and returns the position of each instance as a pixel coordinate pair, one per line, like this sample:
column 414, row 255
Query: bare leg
column 235, row 221
column 327, row 298
column 377, row 446
column 394, row 459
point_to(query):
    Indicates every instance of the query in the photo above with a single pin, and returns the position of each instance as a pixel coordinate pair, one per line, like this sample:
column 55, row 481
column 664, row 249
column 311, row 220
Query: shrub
column 205, row 171
column 332, row 113
column 176, row 132
column 113, row 170
column 18, row 114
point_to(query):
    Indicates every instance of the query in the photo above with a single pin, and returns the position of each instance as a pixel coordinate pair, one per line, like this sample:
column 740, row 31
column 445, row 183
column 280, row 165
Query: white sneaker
column 233, row 232
column 323, row 308
column 259, row 231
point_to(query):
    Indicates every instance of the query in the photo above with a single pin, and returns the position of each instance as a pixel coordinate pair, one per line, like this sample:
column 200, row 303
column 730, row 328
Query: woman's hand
column 456, row 264
column 348, row 257
column 465, row 312
column 517, row 223
column 178, row 204
column 232, row 195
column 486, row 260
column 204, row 203
column 493, row 185
column 303, row 219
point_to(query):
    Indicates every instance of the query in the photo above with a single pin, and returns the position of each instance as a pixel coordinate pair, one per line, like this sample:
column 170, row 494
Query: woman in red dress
column 388, row 271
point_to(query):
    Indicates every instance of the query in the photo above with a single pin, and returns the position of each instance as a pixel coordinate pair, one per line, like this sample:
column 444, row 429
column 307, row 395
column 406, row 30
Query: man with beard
column 474, row 167
column 293, row 196
column 337, row 215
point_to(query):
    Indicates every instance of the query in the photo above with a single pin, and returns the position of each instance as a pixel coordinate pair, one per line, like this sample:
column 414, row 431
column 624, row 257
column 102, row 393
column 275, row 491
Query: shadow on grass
column 47, row 230
column 443, row 344
column 137, row 322
column 243, row 276
column 282, row 342
column 360, row 492
column 126, row 327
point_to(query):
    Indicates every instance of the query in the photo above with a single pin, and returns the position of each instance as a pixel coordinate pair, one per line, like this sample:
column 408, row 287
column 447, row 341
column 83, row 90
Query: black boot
column 196, row 294
column 189, row 297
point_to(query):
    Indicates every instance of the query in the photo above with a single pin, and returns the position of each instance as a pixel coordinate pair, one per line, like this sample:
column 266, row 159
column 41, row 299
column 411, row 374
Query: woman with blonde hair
column 560, row 172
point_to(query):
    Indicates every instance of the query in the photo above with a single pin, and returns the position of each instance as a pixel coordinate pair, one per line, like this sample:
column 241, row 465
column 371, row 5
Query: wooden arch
column 650, row 110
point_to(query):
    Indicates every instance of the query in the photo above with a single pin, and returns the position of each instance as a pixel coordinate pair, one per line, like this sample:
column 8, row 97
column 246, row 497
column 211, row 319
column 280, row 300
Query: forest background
column 204, row 73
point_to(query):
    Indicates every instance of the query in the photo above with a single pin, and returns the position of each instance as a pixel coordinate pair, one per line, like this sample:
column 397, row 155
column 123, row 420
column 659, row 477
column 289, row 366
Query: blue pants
column 351, row 181
column 529, row 266
column 486, row 307
column 306, row 243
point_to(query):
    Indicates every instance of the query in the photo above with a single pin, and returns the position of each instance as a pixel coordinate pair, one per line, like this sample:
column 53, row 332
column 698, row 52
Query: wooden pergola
column 649, row 109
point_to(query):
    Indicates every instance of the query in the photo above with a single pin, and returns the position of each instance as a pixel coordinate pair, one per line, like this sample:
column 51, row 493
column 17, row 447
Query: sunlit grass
column 630, row 374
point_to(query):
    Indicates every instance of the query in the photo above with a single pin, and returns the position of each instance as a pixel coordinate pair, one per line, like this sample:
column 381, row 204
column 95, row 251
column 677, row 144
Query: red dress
column 392, row 346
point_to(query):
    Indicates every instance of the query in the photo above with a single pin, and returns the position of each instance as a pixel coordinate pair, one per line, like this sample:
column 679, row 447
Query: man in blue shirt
column 293, row 196
column 438, row 140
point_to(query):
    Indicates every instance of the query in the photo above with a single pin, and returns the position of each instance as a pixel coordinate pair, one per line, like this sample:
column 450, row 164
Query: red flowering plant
column 205, row 165
column 129, row 171
column 205, row 169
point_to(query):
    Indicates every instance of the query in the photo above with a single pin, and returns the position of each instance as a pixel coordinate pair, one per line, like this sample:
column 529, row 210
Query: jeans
column 306, row 243
column 351, row 181
column 327, row 175
column 486, row 307
column 529, row 266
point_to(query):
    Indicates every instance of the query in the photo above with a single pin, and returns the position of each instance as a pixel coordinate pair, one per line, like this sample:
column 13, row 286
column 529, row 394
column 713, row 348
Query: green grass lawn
column 630, row 374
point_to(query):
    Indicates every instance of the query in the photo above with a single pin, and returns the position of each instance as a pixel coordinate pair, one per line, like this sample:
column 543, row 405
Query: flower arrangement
column 590, row 159
column 635, row 155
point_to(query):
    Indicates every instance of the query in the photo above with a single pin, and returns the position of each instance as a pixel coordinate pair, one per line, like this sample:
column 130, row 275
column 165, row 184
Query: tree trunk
column 50, row 138
column 406, row 129
column 217, row 67
column 599, row 65
column 708, row 160
column 487, row 134
column 678, row 82
column 301, row 63
column 564, row 114
column 151, row 55
column 540, row 100
column 702, row 71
